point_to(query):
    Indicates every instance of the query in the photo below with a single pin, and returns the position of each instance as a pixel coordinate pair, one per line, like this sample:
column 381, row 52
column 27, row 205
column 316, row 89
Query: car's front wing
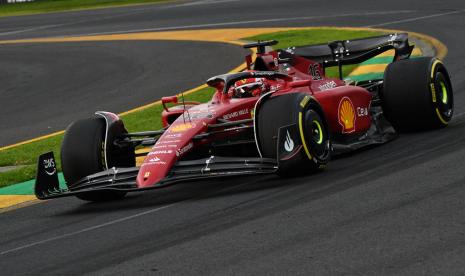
column 124, row 179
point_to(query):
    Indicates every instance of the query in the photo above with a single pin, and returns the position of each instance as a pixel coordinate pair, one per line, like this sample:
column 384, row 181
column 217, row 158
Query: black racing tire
column 302, row 110
column 417, row 94
column 82, row 154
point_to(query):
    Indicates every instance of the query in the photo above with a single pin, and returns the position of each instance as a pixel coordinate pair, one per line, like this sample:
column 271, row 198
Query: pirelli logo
column 304, row 101
column 433, row 92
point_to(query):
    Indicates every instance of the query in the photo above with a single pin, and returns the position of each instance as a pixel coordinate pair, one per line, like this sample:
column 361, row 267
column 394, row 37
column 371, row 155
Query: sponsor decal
column 346, row 115
column 362, row 111
column 168, row 142
column 236, row 114
column 327, row 86
column 288, row 143
column 164, row 146
column 314, row 71
column 49, row 166
column 243, row 81
column 183, row 150
column 156, row 160
column 172, row 135
column 304, row 101
column 262, row 73
column 160, row 147
column 181, row 127
column 199, row 115
column 156, row 152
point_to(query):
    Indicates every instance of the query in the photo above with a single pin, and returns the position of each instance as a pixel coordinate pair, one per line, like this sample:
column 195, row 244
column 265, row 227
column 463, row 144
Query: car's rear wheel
column 417, row 94
column 82, row 154
column 304, row 112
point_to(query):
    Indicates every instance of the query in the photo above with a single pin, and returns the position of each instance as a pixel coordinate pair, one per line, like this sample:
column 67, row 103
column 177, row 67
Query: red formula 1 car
column 281, row 115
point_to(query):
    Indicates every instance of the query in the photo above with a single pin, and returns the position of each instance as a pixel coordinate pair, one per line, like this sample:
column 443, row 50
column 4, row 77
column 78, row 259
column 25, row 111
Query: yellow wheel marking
column 434, row 67
column 440, row 117
column 302, row 137
column 444, row 93
column 320, row 132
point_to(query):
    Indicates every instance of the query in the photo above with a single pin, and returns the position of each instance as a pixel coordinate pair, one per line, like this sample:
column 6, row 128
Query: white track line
column 198, row 3
column 416, row 18
column 247, row 22
column 87, row 229
column 31, row 29
column 219, row 24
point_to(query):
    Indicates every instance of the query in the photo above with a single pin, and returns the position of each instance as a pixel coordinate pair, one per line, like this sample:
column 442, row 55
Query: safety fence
column 14, row 1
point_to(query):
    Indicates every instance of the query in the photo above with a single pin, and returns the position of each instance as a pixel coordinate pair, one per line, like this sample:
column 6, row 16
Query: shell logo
column 182, row 127
column 346, row 115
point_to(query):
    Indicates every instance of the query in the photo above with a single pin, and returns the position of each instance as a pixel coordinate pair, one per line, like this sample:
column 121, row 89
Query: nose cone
column 151, row 173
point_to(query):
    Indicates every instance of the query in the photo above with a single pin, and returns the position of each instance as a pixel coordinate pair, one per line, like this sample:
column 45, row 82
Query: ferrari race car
column 282, row 115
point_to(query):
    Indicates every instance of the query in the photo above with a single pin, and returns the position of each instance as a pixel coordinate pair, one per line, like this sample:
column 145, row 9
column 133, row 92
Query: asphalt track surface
column 46, row 86
column 395, row 209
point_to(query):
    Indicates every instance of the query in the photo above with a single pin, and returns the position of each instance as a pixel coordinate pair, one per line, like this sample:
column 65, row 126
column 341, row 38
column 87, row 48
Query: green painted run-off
column 26, row 188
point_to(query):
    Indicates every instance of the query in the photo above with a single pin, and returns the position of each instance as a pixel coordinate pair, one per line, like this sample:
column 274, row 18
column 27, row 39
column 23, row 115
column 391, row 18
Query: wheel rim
column 445, row 101
column 317, row 132
column 444, row 97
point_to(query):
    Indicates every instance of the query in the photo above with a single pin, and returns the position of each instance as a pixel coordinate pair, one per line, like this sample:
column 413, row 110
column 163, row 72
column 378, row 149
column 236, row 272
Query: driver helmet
column 249, row 87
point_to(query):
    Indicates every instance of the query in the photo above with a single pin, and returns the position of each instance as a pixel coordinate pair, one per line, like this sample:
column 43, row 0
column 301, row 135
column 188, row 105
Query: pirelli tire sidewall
column 417, row 94
column 302, row 110
column 315, row 132
column 83, row 153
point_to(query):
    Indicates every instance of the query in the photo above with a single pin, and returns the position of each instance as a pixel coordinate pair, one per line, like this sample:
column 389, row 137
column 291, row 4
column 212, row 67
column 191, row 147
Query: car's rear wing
column 357, row 50
column 343, row 52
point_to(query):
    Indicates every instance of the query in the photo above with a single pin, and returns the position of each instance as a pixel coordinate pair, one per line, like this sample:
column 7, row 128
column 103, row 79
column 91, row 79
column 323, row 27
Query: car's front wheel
column 83, row 153
column 311, row 132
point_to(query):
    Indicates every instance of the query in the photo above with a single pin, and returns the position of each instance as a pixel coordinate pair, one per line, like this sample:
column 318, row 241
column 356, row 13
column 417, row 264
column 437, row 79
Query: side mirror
column 170, row 99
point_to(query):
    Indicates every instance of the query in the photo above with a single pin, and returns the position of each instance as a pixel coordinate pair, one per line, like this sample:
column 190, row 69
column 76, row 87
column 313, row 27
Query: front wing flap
column 124, row 179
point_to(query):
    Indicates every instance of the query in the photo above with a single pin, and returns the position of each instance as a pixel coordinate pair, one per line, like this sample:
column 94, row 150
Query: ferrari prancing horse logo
column 346, row 115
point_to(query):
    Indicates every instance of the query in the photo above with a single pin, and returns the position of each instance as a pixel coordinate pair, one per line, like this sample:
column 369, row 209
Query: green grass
column 26, row 155
column 43, row 6
column 310, row 37
column 318, row 36
column 149, row 118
